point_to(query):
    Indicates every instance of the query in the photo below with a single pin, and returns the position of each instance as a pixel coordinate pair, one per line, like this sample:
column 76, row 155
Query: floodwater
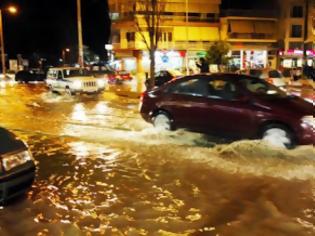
column 101, row 170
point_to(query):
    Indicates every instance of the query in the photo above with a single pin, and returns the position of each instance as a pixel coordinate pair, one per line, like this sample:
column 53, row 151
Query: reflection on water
column 84, row 187
column 140, row 181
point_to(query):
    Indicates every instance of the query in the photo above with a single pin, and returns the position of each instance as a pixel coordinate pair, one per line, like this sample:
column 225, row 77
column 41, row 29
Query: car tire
column 68, row 92
column 279, row 136
column 162, row 121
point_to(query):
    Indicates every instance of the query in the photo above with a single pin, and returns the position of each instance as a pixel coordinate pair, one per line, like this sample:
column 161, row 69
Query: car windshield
column 75, row 73
column 260, row 87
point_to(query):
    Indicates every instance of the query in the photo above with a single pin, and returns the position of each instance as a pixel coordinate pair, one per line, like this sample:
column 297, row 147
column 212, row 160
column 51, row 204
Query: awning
column 265, row 27
column 241, row 26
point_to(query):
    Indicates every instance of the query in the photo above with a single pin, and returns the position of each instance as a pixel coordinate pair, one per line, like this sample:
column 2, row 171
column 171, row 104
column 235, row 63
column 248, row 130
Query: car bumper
column 89, row 91
column 17, row 181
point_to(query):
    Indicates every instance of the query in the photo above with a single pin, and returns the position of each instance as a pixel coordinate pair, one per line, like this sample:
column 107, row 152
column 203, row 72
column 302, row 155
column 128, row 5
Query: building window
column 297, row 12
column 295, row 46
column 296, row 31
column 130, row 36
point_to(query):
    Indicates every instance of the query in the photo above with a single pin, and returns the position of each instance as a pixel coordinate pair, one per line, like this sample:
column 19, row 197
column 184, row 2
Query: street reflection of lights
column 101, row 108
column 79, row 113
column 2, row 84
column 79, row 149
column 11, row 83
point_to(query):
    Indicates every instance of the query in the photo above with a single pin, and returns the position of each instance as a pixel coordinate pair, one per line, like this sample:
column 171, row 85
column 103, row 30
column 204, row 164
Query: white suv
column 73, row 80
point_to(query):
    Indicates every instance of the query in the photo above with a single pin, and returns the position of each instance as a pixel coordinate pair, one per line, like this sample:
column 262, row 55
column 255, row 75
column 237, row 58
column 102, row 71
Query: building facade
column 253, row 37
column 188, row 28
column 297, row 33
column 310, row 37
column 281, row 35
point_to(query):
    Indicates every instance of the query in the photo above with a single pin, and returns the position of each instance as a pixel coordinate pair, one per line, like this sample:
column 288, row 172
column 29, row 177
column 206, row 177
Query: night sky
column 48, row 26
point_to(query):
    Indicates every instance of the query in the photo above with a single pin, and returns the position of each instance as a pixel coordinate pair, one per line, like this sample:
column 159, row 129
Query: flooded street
column 101, row 170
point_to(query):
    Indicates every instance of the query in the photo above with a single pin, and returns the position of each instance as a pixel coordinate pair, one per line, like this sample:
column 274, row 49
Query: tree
column 151, row 15
column 217, row 53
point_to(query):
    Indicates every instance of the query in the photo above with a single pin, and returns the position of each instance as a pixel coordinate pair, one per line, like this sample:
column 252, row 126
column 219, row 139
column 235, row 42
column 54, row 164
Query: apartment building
column 310, row 35
column 188, row 28
column 292, row 29
column 253, row 36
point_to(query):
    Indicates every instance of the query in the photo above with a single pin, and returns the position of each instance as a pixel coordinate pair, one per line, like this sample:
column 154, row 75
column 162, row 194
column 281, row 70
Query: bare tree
column 150, row 13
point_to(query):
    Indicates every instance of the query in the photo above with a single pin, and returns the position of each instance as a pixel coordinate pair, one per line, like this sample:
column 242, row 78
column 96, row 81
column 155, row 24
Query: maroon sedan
column 231, row 105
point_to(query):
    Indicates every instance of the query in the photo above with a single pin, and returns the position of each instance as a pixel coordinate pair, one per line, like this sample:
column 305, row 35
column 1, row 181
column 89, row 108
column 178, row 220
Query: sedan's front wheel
column 162, row 121
column 278, row 136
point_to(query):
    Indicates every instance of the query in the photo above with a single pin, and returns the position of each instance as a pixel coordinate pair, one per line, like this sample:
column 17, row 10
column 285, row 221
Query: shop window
column 297, row 12
column 296, row 31
column 130, row 36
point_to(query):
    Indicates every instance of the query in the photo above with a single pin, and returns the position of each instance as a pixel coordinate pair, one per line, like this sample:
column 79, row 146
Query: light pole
column 80, row 37
column 12, row 10
column 187, row 37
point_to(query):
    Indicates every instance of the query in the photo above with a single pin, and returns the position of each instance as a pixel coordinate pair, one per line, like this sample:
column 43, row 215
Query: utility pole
column 80, row 37
column 187, row 37
column 2, row 46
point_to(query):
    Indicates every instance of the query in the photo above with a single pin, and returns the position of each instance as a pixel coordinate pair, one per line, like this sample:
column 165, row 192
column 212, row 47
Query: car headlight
column 77, row 84
column 101, row 83
column 13, row 160
column 309, row 121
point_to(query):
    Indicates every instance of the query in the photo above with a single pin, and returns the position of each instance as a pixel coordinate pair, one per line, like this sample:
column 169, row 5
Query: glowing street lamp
column 13, row 10
column 64, row 56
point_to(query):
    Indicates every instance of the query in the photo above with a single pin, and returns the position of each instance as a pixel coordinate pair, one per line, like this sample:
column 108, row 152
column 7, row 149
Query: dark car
column 27, row 76
column 17, row 168
column 231, row 105
column 163, row 77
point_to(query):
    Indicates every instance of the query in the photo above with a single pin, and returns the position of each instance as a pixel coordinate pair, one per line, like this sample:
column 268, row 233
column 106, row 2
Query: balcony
column 254, row 36
column 250, row 13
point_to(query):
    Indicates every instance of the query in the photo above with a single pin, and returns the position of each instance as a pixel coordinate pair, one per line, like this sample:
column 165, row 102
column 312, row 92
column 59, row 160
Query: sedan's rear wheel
column 278, row 136
column 162, row 121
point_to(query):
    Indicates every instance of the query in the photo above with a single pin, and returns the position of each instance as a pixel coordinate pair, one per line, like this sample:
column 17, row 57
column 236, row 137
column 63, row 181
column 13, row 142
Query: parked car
column 274, row 77
column 119, row 77
column 71, row 80
column 231, row 105
column 17, row 168
column 163, row 77
column 27, row 76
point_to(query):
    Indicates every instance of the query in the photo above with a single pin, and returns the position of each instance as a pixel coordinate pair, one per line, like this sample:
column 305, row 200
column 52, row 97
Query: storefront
column 243, row 59
column 310, row 58
column 291, row 58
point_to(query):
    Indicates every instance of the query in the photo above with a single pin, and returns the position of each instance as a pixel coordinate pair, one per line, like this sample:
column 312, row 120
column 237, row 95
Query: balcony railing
column 173, row 18
column 252, row 36
column 179, row 45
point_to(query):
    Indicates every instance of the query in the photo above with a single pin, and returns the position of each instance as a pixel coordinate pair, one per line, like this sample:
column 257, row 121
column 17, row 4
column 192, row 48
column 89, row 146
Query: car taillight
column 269, row 80
column 142, row 96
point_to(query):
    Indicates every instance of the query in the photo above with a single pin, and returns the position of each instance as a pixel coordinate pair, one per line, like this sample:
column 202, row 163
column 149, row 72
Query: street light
column 13, row 10
column 64, row 56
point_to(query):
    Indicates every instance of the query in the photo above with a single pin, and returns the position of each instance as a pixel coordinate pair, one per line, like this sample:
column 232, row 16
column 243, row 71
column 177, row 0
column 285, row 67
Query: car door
column 186, row 102
column 61, row 82
column 228, row 111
